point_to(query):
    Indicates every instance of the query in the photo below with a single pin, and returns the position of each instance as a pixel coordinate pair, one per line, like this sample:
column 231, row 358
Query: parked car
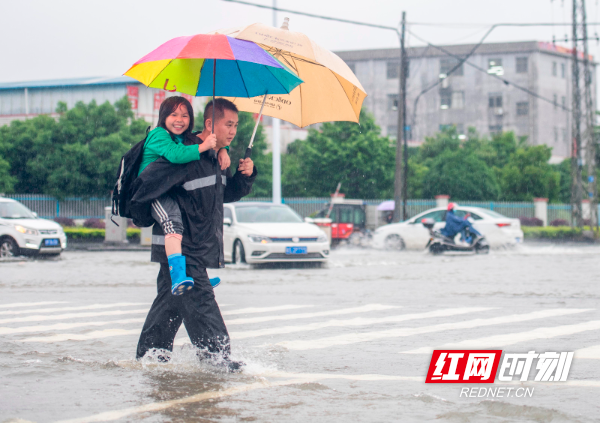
column 499, row 230
column 265, row 232
column 23, row 233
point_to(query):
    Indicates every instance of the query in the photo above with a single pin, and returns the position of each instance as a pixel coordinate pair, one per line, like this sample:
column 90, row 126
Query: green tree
column 528, row 175
column 357, row 156
column 462, row 175
column 78, row 154
column 263, row 185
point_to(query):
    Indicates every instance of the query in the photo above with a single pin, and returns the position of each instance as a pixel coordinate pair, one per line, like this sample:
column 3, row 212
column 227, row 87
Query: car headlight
column 322, row 238
column 26, row 231
column 259, row 239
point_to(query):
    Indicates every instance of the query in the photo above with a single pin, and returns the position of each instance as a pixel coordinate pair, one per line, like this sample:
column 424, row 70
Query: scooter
column 438, row 243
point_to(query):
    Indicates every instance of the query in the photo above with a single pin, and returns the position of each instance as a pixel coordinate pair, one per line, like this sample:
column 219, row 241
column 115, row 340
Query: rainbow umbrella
column 203, row 65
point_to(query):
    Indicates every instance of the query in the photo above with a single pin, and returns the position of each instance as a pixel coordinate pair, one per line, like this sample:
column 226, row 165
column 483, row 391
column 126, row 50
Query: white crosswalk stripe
column 359, row 321
column 99, row 334
column 514, row 338
column 361, row 309
column 79, row 308
column 354, row 338
column 252, row 310
column 16, row 305
column 65, row 326
column 592, row 352
column 45, row 317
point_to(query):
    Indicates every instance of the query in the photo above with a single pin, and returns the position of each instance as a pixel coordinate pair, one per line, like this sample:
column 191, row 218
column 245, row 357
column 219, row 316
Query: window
column 458, row 100
column 446, row 99
column 227, row 213
column 554, row 67
column 523, row 108
column 555, row 101
column 495, row 129
column 563, row 70
column 393, row 69
column 352, row 67
column 522, row 65
column 563, row 102
column 392, row 131
column 495, row 67
column 494, row 101
column 392, row 101
column 349, row 214
column 460, row 128
column 463, row 213
column 437, row 216
column 447, row 64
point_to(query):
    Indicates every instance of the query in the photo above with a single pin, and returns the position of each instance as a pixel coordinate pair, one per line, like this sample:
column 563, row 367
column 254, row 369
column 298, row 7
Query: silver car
column 23, row 233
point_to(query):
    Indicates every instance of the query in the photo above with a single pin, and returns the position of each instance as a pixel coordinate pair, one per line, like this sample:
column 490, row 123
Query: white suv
column 23, row 233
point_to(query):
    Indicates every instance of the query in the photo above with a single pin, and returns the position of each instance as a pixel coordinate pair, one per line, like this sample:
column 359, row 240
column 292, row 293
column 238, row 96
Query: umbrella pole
column 249, row 149
column 213, row 102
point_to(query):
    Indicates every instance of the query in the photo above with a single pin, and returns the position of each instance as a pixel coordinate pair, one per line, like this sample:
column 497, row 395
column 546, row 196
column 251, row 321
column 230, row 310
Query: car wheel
column 8, row 248
column 436, row 249
column 394, row 242
column 239, row 256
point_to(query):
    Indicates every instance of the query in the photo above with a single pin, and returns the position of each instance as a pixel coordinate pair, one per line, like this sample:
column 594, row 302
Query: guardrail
column 84, row 208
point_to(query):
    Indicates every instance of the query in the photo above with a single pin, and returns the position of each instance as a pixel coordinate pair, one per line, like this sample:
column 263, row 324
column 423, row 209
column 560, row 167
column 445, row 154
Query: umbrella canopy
column 386, row 206
column 330, row 92
column 203, row 65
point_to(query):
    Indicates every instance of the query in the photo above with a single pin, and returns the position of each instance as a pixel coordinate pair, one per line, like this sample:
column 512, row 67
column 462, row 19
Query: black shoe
column 233, row 366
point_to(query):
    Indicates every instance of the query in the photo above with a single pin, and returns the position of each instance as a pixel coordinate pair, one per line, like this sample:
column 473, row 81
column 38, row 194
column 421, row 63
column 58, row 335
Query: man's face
column 226, row 128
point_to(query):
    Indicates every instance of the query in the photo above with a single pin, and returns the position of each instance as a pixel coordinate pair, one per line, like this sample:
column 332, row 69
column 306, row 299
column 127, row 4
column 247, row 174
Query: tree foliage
column 357, row 156
column 74, row 155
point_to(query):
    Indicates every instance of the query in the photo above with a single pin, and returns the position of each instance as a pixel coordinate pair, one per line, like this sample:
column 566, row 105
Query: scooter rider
column 455, row 224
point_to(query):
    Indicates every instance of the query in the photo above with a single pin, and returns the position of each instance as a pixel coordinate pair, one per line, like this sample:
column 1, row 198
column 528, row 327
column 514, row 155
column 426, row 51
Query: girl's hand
column 224, row 159
column 209, row 143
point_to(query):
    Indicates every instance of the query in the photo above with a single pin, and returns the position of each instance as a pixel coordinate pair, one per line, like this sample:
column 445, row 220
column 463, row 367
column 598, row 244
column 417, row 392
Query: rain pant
column 196, row 309
column 455, row 224
column 200, row 188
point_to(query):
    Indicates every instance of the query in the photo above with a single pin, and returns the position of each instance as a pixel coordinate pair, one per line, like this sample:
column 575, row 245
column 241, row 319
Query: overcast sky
column 47, row 39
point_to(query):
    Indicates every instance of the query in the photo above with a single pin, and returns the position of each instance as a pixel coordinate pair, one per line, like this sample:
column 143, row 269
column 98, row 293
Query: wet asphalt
column 349, row 341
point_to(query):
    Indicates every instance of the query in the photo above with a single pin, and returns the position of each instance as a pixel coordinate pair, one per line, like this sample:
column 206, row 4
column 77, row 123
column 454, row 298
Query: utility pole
column 400, row 177
column 576, row 187
column 590, row 139
column 276, row 140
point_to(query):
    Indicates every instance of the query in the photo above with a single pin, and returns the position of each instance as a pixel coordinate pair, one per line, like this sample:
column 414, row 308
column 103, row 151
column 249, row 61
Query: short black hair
column 169, row 106
column 221, row 104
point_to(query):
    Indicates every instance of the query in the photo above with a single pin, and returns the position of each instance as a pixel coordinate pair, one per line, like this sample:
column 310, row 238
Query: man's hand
column 209, row 143
column 246, row 166
column 224, row 159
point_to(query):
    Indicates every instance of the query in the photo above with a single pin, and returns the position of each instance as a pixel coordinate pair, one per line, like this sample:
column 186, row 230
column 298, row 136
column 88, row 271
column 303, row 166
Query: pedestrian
column 175, row 123
column 200, row 187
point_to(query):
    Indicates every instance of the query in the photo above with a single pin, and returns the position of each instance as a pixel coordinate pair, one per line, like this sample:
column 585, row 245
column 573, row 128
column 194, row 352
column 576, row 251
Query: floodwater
column 351, row 341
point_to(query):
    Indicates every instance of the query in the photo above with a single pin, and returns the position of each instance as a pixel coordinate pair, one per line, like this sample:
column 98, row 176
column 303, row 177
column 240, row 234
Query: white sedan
column 23, row 233
column 267, row 232
column 499, row 230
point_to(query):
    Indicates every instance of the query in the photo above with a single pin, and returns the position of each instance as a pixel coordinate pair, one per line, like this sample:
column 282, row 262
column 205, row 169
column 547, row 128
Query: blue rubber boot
column 215, row 282
column 180, row 282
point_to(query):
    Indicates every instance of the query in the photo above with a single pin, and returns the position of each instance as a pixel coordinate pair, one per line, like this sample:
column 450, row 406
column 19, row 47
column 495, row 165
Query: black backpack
column 126, row 174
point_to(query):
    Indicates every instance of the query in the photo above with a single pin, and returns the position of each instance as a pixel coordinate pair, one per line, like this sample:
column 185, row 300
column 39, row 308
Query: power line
column 505, row 81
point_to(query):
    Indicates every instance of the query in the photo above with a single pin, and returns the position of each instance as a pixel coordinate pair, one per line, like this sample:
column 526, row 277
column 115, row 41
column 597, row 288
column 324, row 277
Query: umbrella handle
column 248, row 153
column 249, row 149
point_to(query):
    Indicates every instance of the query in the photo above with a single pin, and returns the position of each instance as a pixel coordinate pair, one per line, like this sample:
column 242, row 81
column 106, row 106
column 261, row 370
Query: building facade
column 24, row 100
column 475, row 96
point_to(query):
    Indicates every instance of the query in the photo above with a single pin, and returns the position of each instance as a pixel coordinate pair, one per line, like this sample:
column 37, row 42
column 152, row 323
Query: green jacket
column 159, row 143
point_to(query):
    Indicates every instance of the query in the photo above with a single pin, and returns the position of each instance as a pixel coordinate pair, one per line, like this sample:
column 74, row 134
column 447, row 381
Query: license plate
column 295, row 250
column 51, row 242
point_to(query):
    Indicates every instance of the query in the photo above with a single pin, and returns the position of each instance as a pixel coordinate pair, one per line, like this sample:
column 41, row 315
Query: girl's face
column 178, row 121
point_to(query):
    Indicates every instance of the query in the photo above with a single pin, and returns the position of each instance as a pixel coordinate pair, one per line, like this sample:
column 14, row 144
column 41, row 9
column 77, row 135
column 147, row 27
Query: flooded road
column 351, row 341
